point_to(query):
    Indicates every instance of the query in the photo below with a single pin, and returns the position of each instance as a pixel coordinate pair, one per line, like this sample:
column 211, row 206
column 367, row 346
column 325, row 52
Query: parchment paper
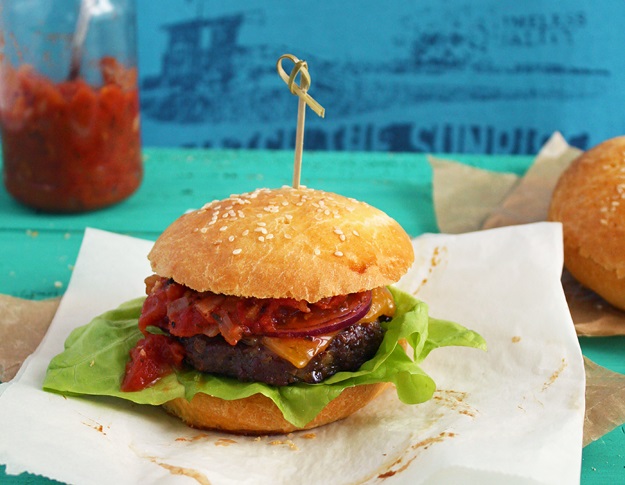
column 513, row 414
column 526, row 201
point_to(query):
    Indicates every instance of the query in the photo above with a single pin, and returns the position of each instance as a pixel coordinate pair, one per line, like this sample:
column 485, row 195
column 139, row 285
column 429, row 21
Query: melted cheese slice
column 299, row 351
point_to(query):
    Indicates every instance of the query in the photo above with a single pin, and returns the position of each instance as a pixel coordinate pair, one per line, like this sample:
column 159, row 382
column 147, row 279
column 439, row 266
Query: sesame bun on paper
column 589, row 201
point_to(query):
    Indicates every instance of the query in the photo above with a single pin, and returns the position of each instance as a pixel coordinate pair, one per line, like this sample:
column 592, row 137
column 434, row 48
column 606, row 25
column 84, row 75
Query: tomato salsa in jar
column 70, row 143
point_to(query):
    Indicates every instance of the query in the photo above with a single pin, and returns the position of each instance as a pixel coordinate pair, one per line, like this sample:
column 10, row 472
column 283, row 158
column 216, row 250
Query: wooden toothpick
column 300, row 67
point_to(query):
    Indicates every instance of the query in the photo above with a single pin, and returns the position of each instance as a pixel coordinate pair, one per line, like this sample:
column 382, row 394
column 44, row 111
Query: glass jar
column 69, row 109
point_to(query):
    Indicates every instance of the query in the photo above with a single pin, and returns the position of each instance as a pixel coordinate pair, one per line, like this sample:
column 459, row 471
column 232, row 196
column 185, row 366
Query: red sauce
column 184, row 312
column 67, row 146
column 153, row 357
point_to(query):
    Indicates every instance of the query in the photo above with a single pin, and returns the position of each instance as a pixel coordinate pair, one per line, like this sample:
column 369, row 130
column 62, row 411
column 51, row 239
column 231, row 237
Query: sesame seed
column 262, row 224
column 337, row 231
column 342, row 237
column 287, row 236
column 261, row 238
column 237, row 251
column 355, row 232
column 269, row 236
column 223, row 228
column 338, row 253
column 261, row 229
column 246, row 232
column 204, row 230
column 289, row 217
column 317, row 252
column 231, row 238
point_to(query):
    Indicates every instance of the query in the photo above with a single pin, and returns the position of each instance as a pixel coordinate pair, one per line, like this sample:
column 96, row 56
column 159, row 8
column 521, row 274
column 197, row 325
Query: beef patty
column 252, row 362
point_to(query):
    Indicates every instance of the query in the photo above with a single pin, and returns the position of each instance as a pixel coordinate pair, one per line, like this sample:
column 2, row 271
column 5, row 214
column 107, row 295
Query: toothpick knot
column 300, row 67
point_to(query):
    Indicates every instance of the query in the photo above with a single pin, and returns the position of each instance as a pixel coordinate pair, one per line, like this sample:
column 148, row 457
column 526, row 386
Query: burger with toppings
column 270, row 312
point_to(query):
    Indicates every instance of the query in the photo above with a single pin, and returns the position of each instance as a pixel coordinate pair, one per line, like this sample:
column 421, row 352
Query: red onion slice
column 323, row 322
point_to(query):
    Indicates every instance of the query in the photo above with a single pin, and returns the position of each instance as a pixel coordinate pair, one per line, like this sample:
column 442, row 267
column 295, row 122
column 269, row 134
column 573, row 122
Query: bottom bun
column 603, row 281
column 258, row 414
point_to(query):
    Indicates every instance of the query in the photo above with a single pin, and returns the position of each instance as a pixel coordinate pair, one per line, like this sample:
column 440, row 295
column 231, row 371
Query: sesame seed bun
column 284, row 243
column 589, row 201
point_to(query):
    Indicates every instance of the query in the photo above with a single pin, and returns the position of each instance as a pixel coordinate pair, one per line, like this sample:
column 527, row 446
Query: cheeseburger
column 267, row 312
column 275, row 286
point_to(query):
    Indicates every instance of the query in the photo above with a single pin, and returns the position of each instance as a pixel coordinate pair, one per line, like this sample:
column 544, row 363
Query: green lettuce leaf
column 95, row 356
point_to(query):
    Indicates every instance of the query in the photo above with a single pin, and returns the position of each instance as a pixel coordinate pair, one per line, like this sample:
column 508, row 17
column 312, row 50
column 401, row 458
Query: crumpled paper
column 513, row 414
column 23, row 325
column 469, row 199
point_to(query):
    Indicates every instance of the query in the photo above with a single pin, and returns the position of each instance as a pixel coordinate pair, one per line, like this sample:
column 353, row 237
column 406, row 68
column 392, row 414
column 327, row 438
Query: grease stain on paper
column 178, row 470
column 448, row 402
column 435, row 260
column 554, row 377
column 225, row 442
column 95, row 425
column 404, row 460
column 200, row 436
column 196, row 475
column 455, row 401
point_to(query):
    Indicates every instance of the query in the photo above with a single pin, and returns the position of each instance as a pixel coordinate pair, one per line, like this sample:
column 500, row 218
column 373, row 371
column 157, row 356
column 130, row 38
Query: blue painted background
column 463, row 76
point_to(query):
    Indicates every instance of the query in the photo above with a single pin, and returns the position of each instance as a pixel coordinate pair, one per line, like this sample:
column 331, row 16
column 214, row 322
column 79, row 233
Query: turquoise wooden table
column 38, row 250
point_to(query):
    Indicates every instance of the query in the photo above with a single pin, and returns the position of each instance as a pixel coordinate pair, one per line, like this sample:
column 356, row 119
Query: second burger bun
column 589, row 201
column 284, row 243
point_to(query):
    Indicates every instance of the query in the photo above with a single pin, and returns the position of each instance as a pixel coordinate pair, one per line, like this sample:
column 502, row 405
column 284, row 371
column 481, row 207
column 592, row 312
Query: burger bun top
column 299, row 243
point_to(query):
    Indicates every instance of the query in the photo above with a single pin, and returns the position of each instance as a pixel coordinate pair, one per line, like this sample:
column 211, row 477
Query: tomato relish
column 154, row 357
column 183, row 312
column 67, row 146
